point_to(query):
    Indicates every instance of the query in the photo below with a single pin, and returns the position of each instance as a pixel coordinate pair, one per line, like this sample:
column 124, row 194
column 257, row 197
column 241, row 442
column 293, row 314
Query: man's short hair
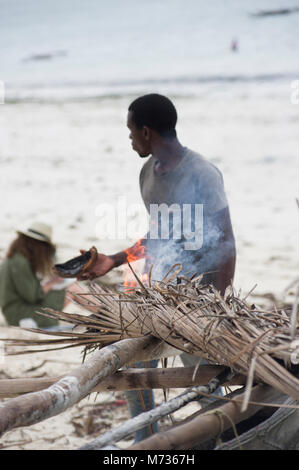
column 156, row 112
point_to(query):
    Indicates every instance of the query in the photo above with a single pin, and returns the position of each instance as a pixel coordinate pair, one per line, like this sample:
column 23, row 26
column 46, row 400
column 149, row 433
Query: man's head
column 151, row 116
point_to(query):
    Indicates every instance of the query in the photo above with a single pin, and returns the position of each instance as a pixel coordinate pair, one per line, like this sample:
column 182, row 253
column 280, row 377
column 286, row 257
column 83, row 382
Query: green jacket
column 21, row 294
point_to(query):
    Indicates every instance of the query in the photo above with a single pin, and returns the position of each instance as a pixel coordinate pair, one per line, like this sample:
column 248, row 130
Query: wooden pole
column 149, row 417
column 129, row 379
column 35, row 407
column 208, row 425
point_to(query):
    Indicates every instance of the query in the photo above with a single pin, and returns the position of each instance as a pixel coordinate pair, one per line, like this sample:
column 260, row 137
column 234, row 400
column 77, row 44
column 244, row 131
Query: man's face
column 139, row 138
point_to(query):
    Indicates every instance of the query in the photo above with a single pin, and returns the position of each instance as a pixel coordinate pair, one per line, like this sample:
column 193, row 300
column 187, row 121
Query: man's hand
column 102, row 266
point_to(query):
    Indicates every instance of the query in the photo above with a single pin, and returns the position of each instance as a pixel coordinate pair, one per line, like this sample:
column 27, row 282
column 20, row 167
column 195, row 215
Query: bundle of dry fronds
column 193, row 318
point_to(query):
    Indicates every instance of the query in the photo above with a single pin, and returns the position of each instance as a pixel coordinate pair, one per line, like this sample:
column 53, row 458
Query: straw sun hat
column 38, row 231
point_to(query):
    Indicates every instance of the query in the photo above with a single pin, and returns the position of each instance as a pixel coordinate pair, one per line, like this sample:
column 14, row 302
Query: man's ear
column 147, row 132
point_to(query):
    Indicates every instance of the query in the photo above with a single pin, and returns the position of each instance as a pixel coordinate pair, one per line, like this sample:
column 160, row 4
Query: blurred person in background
column 23, row 293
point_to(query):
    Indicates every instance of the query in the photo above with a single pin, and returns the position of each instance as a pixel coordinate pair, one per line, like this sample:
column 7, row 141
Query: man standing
column 195, row 229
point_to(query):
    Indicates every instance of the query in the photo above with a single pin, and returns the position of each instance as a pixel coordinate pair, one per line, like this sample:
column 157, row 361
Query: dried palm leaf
column 194, row 318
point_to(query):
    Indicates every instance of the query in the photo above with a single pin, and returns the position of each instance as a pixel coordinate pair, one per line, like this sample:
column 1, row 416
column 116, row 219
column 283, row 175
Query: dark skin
column 225, row 274
column 168, row 153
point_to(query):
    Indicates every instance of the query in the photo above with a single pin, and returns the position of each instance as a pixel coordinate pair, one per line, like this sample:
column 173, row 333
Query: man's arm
column 226, row 252
column 105, row 263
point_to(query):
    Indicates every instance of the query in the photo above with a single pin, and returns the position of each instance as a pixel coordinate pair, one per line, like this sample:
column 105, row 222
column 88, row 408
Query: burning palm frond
column 193, row 318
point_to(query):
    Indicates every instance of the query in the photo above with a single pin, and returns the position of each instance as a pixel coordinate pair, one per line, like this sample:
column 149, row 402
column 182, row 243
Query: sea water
column 95, row 47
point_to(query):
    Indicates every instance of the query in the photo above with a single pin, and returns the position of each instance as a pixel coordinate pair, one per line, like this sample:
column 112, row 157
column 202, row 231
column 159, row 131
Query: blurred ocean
column 71, row 68
column 90, row 48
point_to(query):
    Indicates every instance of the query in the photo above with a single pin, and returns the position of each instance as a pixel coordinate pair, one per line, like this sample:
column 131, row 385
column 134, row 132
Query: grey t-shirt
column 196, row 187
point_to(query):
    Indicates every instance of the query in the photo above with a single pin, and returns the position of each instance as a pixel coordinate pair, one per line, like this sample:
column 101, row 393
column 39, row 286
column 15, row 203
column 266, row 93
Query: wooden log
column 129, row 379
column 35, row 407
column 208, row 425
column 10, row 388
column 149, row 417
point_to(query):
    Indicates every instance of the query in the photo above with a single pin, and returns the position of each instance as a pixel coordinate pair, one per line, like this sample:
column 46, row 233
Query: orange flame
column 135, row 253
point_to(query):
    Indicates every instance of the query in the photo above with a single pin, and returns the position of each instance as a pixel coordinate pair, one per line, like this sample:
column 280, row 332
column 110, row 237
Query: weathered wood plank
column 129, row 379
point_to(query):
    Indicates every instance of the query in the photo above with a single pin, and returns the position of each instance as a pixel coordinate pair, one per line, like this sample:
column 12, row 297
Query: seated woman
column 29, row 259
